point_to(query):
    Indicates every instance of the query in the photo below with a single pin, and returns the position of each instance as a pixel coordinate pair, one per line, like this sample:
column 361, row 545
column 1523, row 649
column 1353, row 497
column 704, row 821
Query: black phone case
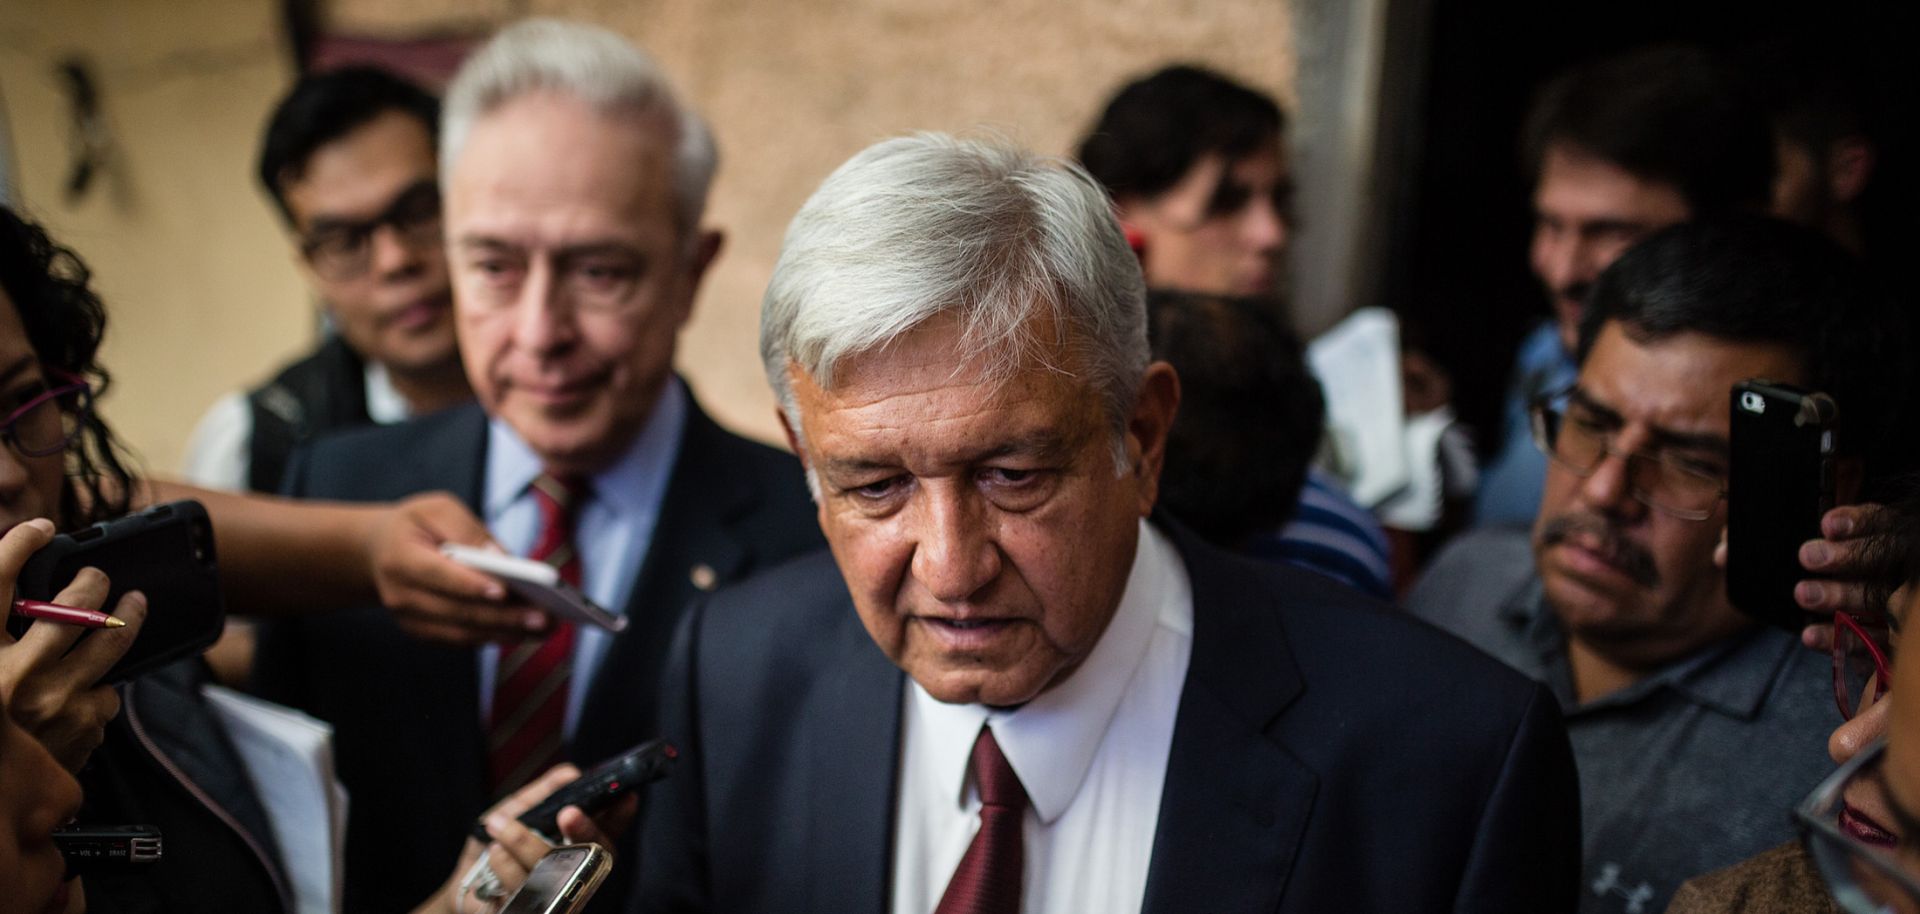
column 1779, row 482
column 165, row 552
column 597, row 789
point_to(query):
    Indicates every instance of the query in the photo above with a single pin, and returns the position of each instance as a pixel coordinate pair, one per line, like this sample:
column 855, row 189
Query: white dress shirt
column 613, row 529
column 1090, row 751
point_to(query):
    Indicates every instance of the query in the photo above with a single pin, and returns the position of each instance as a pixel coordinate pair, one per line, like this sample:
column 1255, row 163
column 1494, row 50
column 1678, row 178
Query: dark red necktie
column 526, row 727
column 987, row 881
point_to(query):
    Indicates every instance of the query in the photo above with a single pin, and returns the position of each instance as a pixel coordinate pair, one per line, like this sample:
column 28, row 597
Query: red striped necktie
column 987, row 881
column 526, row 727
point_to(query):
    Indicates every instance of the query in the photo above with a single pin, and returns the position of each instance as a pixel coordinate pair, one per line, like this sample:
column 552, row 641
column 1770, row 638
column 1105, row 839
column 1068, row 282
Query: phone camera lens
column 1753, row 402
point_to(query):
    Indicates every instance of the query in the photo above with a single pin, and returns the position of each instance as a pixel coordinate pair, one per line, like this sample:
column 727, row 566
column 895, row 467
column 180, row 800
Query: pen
column 71, row 615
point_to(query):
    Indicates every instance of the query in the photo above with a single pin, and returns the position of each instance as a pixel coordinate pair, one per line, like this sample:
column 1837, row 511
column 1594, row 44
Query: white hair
column 994, row 236
column 594, row 65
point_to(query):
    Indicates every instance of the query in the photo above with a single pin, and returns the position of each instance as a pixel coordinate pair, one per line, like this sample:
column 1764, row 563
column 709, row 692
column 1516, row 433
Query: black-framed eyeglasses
column 1666, row 483
column 1865, row 877
column 339, row 251
column 47, row 423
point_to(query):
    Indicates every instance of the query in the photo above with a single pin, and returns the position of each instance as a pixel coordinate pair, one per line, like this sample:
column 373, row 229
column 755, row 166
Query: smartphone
column 1780, row 480
column 597, row 789
column 562, row 882
column 165, row 552
column 538, row 583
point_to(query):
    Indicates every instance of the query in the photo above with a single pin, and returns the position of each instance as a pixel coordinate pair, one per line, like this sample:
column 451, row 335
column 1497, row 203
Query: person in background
column 1824, row 127
column 1197, row 168
column 149, row 751
column 576, row 187
column 1616, row 149
column 1198, row 174
column 1859, row 826
column 1883, row 556
column 349, row 162
column 1614, row 600
column 1251, row 419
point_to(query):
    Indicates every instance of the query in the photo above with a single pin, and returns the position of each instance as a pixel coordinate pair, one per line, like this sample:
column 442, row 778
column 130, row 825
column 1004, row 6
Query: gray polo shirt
column 1693, row 768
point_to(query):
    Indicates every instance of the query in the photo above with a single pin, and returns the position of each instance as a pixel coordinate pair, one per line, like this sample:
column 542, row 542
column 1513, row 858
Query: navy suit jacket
column 1329, row 754
column 408, row 738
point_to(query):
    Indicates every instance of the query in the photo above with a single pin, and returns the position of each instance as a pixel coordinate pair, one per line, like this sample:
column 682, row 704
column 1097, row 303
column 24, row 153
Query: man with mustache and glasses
column 1617, row 149
column 1692, row 726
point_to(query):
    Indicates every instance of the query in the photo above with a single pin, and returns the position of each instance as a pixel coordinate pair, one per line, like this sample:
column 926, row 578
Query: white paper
column 1358, row 364
column 289, row 759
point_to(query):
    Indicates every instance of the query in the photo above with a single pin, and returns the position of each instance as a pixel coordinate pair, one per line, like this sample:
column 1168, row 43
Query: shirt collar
column 1731, row 676
column 1051, row 741
column 385, row 405
column 630, row 484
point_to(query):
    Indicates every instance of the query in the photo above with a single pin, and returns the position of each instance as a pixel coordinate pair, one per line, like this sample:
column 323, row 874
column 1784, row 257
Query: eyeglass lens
column 344, row 250
column 1581, row 445
column 45, row 424
column 1854, row 671
column 1857, row 848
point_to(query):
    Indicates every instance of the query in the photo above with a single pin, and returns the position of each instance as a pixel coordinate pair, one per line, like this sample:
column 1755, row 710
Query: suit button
column 702, row 575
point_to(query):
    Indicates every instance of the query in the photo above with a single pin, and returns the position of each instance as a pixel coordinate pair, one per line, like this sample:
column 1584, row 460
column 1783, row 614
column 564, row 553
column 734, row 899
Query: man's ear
column 1154, row 409
column 1850, row 162
column 706, row 248
column 793, row 438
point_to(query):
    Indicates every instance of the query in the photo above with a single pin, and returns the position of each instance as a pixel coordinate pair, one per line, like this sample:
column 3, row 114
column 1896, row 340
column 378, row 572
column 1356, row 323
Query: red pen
column 70, row 615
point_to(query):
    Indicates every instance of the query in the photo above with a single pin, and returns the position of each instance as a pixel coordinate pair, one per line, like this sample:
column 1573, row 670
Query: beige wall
column 196, row 273
column 200, row 290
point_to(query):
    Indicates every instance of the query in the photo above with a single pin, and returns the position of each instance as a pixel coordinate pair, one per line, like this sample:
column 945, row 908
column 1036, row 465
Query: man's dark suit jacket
column 1329, row 754
column 408, row 737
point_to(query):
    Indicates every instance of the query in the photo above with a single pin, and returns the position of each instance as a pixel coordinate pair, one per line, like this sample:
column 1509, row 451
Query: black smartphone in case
column 1780, row 480
column 165, row 552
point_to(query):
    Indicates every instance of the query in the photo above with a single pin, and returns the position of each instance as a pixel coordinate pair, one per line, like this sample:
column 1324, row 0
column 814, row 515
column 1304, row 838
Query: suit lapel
column 1236, row 803
column 852, row 740
column 464, row 446
column 693, row 542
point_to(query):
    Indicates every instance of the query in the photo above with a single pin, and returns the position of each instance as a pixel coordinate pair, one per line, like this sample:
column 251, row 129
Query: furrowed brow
column 1600, row 410
column 1691, row 441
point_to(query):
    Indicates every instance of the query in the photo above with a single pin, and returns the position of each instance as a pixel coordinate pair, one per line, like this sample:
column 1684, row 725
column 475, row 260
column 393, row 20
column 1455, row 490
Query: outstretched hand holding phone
column 515, row 848
column 52, row 691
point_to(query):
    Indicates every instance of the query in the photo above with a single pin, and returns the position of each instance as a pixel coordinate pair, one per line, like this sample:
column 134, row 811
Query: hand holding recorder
column 515, row 849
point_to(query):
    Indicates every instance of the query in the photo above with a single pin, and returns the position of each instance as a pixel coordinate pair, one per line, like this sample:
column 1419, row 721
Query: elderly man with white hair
column 574, row 182
column 1008, row 687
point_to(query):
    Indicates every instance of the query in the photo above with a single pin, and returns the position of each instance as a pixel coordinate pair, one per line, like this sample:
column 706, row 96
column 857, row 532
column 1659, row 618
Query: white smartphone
column 562, row 882
column 538, row 583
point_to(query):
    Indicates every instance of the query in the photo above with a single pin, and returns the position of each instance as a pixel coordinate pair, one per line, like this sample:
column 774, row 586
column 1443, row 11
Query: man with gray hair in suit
column 575, row 182
column 1006, row 688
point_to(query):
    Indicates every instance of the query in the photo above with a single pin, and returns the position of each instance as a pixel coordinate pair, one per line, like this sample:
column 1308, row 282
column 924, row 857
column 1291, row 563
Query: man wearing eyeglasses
column 349, row 160
column 1693, row 727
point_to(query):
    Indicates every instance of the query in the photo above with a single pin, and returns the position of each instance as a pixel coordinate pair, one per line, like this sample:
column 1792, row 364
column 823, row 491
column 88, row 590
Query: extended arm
column 279, row 556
